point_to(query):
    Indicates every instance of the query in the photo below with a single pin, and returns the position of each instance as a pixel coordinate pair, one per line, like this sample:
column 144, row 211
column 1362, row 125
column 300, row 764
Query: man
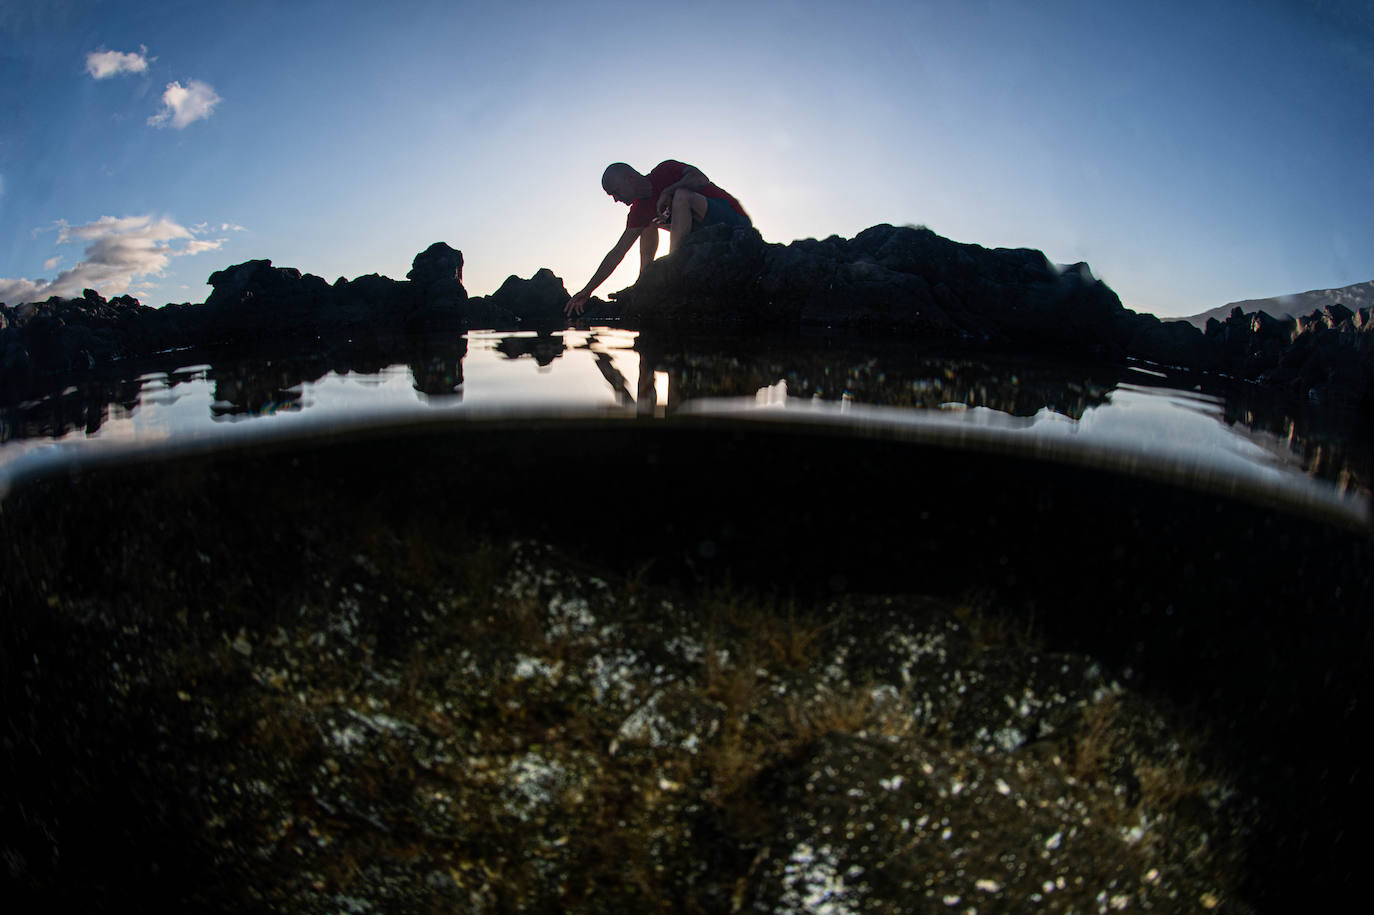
column 673, row 196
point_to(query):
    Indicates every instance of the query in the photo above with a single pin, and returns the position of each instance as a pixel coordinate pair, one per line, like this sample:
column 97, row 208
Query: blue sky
column 1193, row 154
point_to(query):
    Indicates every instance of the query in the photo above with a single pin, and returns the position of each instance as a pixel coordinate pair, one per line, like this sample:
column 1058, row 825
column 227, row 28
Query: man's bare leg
column 648, row 246
column 686, row 205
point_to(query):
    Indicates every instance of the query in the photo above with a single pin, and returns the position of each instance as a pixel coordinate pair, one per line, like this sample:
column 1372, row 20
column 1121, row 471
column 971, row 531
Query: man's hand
column 576, row 304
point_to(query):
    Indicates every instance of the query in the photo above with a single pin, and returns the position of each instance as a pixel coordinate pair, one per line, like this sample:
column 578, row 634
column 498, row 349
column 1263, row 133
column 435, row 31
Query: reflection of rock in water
column 85, row 407
column 271, row 682
column 543, row 347
column 437, row 369
column 1334, row 443
column 260, row 388
column 876, row 374
column 1330, row 441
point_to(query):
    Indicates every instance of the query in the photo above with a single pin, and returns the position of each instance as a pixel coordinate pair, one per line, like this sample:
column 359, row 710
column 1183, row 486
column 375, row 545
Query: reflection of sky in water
column 1139, row 428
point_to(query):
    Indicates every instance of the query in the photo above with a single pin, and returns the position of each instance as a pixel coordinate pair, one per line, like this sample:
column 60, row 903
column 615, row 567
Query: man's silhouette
column 673, row 196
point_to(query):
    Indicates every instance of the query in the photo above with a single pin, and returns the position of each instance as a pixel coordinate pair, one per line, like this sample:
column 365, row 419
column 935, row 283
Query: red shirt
column 667, row 172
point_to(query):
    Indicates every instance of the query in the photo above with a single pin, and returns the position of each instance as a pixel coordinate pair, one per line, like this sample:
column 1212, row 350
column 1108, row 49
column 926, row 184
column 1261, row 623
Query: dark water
column 1210, row 545
column 1198, row 431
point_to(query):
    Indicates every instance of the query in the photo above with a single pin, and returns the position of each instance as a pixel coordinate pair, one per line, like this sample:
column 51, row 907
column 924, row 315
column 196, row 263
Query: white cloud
column 52, row 262
column 118, row 252
column 105, row 64
column 183, row 105
column 15, row 292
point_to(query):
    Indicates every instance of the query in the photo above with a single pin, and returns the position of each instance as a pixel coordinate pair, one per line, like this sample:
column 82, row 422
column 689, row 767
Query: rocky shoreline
column 887, row 280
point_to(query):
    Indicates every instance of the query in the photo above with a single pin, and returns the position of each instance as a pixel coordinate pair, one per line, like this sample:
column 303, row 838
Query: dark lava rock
column 437, row 278
column 912, row 281
column 251, row 302
column 436, row 264
column 64, row 335
column 887, row 279
column 537, row 300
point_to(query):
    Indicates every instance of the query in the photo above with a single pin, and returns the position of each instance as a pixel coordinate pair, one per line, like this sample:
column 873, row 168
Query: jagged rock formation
column 887, row 279
column 912, row 281
column 1328, row 356
column 1354, row 297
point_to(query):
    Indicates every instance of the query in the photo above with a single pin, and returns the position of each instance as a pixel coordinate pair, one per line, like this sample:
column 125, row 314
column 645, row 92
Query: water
column 1142, row 420
column 340, row 522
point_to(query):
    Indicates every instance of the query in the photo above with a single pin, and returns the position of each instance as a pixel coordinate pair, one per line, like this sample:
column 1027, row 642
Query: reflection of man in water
column 673, row 196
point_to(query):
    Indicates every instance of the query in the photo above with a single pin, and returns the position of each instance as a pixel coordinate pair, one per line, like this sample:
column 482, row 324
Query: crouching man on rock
column 673, row 196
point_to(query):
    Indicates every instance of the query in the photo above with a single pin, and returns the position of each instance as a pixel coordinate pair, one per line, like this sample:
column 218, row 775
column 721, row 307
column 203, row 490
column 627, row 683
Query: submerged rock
column 529, row 735
column 347, row 673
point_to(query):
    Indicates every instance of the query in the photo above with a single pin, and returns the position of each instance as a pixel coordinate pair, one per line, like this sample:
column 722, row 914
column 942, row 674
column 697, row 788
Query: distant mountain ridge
column 1354, row 297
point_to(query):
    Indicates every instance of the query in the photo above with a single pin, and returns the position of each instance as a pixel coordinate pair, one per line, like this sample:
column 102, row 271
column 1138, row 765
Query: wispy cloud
column 183, row 105
column 118, row 252
column 202, row 227
column 106, row 64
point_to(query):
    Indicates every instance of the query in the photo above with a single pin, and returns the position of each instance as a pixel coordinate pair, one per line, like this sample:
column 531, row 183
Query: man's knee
column 684, row 197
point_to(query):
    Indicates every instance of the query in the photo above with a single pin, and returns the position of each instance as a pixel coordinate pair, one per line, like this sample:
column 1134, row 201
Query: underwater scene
column 616, row 621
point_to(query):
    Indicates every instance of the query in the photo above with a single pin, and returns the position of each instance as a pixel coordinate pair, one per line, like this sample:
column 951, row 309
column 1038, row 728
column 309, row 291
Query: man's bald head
column 617, row 174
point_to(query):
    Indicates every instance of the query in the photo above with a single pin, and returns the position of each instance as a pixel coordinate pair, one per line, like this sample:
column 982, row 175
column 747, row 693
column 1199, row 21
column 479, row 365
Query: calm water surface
column 1141, row 419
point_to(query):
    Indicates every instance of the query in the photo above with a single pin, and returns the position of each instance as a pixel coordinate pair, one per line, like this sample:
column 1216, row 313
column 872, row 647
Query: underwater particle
column 1053, row 841
column 1009, row 739
column 533, row 783
column 527, row 668
column 812, row 883
column 988, row 886
column 241, row 643
column 1209, row 901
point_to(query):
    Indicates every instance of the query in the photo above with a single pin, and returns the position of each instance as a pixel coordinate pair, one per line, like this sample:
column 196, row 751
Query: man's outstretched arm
column 608, row 265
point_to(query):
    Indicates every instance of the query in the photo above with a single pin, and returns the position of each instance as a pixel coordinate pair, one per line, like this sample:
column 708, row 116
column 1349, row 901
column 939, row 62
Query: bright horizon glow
column 1192, row 156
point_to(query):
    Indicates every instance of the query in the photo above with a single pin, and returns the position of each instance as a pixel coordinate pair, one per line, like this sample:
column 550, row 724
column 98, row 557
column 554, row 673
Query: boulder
column 437, row 263
column 538, row 300
column 437, row 276
column 886, row 278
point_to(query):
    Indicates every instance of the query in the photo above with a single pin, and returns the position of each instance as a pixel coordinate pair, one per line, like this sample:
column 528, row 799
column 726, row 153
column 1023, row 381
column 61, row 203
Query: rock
column 887, row 279
column 239, row 283
column 713, row 278
column 1174, row 343
column 437, row 277
column 537, row 300
column 437, row 263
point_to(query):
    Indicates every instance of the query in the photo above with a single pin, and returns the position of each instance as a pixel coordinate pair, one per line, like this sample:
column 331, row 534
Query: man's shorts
column 719, row 212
